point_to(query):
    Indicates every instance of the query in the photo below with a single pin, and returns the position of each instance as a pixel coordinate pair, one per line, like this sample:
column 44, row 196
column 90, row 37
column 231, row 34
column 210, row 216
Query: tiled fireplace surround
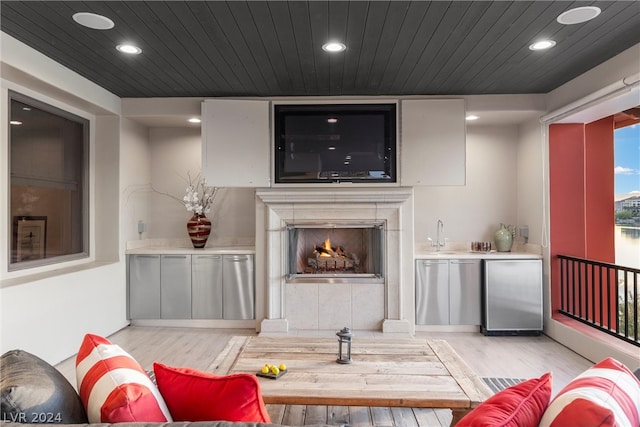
column 308, row 305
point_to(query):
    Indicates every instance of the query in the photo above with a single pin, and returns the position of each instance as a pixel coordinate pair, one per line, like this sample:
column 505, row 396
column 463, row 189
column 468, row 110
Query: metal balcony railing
column 604, row 296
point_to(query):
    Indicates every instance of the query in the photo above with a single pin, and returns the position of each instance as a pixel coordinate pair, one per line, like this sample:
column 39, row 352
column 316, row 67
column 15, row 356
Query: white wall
column 531, row 162
column 106, row 188
column 48, row 310
column 474, row 211
column 49, row 316
column 236, row 218
column 175, row 152
column 490, row 196
column 135, row 175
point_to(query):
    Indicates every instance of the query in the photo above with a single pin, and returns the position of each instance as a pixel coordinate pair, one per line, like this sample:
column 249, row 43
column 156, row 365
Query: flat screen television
column 332, row 143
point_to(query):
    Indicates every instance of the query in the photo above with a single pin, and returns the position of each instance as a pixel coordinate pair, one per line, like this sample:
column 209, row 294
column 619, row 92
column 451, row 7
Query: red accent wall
column 566, row 198
column 581, row 194
column 600, row 194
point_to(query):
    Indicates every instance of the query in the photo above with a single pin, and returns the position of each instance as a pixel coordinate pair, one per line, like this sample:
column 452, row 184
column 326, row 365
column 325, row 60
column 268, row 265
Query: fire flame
column 327, row 246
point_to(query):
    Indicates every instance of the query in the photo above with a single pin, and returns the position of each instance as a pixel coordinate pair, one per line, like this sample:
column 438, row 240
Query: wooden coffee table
column 416, row 373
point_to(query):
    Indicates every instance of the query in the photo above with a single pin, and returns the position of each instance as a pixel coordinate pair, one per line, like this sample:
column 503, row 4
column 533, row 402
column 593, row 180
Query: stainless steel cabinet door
column 144, row 286
column 432, row 292
column 175, row 287
column 238, row 292
column 206, row 286
column 465, row 292
column 513, row 295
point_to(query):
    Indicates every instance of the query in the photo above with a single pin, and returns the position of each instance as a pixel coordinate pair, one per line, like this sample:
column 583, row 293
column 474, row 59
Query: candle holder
column 344, row 346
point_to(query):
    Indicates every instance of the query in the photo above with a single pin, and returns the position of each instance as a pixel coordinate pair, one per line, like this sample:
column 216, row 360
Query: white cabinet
column 175, row 287
column 206, row 286
column 236, row 143
column 433, row 142
column 448, row 292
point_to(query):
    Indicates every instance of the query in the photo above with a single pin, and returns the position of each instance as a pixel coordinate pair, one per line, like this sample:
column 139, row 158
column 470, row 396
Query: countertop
column 213, row 250
column 235, row 250
column 475, row 255
column 184, row 247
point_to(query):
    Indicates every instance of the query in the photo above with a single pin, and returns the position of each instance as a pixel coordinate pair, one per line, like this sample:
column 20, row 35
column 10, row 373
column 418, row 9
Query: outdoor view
column 627, row 230
column 627, row 191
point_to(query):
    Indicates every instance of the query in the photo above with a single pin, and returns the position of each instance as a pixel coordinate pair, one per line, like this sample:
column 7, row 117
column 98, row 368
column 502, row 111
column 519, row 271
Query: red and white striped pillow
column 113, row 386
column 607, row 394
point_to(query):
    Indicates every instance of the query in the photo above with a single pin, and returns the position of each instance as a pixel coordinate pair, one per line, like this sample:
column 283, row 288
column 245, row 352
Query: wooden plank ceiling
column 260, row 48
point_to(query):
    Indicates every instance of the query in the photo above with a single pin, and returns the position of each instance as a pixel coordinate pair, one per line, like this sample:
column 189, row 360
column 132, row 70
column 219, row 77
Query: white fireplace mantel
column 388, row 306
column 342, row 195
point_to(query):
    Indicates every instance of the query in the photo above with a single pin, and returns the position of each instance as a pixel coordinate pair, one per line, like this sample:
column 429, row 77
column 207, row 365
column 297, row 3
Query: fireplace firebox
column 335, row 251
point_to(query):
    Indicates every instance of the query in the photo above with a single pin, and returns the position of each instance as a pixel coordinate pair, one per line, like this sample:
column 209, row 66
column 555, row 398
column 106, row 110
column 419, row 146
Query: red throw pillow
column 521, row 405
column 113, row 387
column 607, row 394
column 193, row 395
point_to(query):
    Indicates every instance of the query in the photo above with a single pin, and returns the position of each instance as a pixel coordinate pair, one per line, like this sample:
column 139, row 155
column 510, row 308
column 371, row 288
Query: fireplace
column 365, row 282
column 346, row 251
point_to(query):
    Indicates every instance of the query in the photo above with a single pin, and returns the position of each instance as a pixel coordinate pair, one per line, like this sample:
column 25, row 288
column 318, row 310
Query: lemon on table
column 283, row 367
column 265, row 369
column 275, row 370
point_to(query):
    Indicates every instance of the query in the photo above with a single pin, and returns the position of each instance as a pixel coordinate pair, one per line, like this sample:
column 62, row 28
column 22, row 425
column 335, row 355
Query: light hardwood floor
column 503, row 357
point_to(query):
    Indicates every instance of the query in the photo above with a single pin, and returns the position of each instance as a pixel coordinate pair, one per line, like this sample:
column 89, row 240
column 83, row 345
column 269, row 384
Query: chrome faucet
column 439, row 230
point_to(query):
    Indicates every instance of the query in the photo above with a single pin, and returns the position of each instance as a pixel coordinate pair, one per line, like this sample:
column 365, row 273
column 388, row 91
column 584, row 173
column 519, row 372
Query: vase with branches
column 199, row 197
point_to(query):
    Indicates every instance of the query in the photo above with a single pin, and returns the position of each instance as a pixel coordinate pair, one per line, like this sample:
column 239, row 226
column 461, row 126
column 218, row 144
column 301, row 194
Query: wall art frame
column 29, row 238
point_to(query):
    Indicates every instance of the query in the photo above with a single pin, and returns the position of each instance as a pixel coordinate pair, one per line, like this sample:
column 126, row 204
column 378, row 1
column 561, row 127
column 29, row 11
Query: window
column 48, row 165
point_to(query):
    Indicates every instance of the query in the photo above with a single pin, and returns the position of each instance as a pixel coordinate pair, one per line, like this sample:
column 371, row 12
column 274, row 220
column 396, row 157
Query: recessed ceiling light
column 578, row 15
column 194, row 120
column 472, row 117
column 129, row 48
column 332, row 120
column 15, row 122
column 93, row 21
column 333, row 47
column 542, row 44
